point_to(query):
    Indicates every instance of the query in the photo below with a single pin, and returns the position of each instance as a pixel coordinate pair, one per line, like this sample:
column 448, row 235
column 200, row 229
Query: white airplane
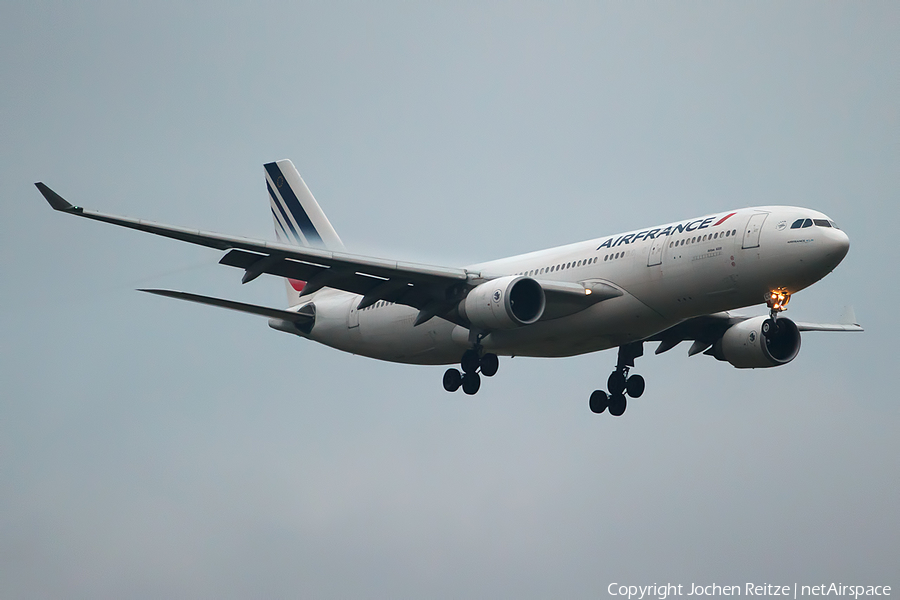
column 667, row 284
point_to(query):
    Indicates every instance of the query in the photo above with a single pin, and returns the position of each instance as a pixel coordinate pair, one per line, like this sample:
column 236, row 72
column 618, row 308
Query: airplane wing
column 703, row 331
column 433, row 290
column 706, row 329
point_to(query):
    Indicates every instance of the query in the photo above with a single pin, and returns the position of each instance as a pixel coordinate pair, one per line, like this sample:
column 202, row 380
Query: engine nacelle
column 504, row 303
column 758, row 343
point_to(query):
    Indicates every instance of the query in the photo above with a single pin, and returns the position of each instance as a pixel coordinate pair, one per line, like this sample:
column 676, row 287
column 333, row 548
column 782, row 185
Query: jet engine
column 759, row 342
column 504, row 303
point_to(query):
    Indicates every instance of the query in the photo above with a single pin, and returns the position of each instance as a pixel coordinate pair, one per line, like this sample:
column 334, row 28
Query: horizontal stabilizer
column 300, row 318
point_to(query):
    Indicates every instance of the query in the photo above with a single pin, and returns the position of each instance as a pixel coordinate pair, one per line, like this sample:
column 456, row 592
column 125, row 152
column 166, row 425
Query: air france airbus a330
column 669, row 283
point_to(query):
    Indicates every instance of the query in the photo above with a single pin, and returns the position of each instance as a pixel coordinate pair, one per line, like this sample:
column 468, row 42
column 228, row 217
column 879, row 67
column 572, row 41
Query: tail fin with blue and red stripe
column 298, row 218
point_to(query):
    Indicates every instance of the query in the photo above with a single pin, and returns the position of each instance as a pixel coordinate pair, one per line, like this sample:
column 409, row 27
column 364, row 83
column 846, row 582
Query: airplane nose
column 842, row 243
column 838, row 244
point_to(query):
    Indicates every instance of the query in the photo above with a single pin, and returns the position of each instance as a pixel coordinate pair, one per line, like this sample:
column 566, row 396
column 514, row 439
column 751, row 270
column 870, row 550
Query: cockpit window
column 804, row 223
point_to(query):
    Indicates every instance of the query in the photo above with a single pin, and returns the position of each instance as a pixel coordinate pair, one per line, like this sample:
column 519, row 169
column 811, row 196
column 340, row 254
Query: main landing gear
column 473, row 361
column 619, row 383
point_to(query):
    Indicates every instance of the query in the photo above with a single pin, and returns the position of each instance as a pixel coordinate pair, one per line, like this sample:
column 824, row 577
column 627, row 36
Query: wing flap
column 401, row 289
column 703, row 331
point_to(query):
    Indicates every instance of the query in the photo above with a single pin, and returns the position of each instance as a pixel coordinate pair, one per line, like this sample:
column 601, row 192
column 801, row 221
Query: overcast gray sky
column 151, row 448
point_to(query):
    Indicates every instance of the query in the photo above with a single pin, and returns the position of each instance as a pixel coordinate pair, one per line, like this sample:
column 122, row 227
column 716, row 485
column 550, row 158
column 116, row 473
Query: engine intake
column 504, row 303
column 759, row 342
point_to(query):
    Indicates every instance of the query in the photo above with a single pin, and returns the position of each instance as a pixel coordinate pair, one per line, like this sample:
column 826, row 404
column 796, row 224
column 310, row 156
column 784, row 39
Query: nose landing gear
column 777, row 301
column 473, row 361
column 619, row 383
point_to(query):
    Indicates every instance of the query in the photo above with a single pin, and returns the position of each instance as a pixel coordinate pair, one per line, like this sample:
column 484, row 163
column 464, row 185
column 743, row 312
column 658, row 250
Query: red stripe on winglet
column 722, row 220
column 297, row 284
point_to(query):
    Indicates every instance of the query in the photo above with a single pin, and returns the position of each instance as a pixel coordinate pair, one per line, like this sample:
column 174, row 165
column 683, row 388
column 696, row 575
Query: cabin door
column 656, row 251
column 751, row 232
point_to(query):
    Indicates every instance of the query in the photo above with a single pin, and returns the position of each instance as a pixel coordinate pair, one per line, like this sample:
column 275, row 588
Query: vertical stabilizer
column 299, row 219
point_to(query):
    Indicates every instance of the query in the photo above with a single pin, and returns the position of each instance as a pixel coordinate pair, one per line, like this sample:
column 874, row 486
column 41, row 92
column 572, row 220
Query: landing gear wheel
column 617, row 405
column 470, row 361
column 489, row 365
column 471, row 382
column 599, row 401
column 635, row 386
column 616, row 382
column 452, row 380
column 767, row 327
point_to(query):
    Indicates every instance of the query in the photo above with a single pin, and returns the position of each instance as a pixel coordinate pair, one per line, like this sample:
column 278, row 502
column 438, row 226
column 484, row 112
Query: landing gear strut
column 777, row 301
column 473, row 361
column 619, row 383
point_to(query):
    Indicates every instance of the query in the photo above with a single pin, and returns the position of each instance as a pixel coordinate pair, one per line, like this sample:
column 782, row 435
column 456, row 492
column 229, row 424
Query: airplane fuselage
column 666, row 274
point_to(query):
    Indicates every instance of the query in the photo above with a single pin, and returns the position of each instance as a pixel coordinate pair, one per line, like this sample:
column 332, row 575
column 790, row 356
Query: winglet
column 848, row 317
column 848, row 322
column 55, row 200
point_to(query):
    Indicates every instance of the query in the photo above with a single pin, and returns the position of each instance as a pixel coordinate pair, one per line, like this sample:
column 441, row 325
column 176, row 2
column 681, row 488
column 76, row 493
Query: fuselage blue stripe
column 293, row 205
